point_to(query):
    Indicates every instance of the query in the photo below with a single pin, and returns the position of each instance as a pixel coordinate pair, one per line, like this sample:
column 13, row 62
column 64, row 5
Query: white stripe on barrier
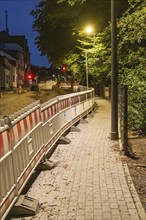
column 5, row 143
column 33, row 132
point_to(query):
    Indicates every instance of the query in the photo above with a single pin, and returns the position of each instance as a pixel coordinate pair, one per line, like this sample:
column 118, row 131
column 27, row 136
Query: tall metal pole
column 94, row 70
column 6, row 21
column 114, row 77
column 1, row 79
column 86, row 61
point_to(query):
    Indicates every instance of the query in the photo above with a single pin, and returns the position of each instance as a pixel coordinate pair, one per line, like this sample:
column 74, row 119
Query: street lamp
column 86, row 62
column 114, row 77
column 88, row 30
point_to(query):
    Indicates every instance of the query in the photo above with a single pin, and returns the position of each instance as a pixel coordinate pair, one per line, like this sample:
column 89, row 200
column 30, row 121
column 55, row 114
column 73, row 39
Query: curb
column 134, row 193
column 132, row 188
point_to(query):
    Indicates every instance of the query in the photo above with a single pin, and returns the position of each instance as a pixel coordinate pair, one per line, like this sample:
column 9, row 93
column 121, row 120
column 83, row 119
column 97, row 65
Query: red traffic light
column 30, row 76
column 63, row 68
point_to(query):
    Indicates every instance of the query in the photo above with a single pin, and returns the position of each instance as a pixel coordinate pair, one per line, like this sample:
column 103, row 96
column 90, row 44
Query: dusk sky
column 20, row 23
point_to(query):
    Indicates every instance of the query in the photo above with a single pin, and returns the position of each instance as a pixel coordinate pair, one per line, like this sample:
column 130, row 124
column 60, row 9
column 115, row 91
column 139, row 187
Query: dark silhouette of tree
column 57, row 24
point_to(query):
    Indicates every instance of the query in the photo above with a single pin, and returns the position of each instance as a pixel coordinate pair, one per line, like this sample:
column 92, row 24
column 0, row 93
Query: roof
column 4, row 54
column 5, row 37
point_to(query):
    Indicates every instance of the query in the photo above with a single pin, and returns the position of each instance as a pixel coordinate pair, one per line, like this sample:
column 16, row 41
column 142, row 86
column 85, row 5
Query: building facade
column 14, row 60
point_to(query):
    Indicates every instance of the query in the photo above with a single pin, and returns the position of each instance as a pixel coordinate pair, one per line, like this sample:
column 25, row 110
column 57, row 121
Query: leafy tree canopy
column 58, row 22
column 132, row 61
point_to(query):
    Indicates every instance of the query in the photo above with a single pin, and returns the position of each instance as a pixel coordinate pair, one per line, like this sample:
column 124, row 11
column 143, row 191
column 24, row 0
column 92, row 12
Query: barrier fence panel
column 27, row 136
column 7, row 175
column 50, row 118
column 87, row 102
column 64, row 115
column 21, row 144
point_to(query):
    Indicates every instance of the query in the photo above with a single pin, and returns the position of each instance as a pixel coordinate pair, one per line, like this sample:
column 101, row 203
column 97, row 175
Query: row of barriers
column 27, row 136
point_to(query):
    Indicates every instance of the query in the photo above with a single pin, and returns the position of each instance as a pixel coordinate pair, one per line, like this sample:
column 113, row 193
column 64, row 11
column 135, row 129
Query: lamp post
column 1, row 79
column 114, row 77
column 86, row 62
column 88, row 30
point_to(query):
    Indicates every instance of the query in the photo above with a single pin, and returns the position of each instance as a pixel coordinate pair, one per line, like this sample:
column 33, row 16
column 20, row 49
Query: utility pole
column 6, row 21
column 114, row 77
column 86, row 62
column 1, row 79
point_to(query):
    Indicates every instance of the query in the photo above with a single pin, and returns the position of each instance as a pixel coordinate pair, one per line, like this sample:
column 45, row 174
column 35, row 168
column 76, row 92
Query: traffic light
column 30, row 76
column 63, row 68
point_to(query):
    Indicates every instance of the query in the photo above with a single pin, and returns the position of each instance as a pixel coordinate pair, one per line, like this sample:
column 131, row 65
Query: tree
column 132, row 61
column 57, row 24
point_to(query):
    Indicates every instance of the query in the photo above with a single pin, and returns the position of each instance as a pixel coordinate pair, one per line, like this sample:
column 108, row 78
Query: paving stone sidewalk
column 89, row 181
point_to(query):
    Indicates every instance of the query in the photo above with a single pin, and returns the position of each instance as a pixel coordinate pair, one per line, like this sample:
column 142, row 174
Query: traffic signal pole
column 114, row 71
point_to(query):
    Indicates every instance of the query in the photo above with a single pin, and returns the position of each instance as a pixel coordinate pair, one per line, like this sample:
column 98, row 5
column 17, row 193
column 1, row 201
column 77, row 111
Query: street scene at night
column 72, row 110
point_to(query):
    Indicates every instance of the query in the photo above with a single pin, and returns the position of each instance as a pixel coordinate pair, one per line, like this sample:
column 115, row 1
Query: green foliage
column 132, row 61
column 57, row 23
column 98, row 56
column 74, row 64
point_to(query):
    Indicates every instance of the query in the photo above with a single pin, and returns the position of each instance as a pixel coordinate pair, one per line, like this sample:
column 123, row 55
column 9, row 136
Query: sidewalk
column 89, row 181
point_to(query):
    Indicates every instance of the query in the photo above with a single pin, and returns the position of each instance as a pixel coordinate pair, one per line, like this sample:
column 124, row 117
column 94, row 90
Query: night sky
column 20, row 23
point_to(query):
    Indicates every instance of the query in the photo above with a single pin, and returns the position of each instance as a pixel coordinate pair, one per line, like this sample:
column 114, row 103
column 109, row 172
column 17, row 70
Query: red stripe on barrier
column 1, row 145
column 9, row 141
column 43, row 116
column 35, row 117
column 51, row 111
column 13, row 136
column 25, row 125
column 31, row 121
column 19, row 130
column 39, row 115
column 48, row 113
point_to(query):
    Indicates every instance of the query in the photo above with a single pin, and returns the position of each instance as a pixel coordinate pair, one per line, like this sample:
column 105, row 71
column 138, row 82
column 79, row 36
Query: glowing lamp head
column 89, row 30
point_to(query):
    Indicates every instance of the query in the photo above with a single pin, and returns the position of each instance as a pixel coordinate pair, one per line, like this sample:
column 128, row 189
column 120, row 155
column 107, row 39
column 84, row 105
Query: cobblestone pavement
column 89, row 182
